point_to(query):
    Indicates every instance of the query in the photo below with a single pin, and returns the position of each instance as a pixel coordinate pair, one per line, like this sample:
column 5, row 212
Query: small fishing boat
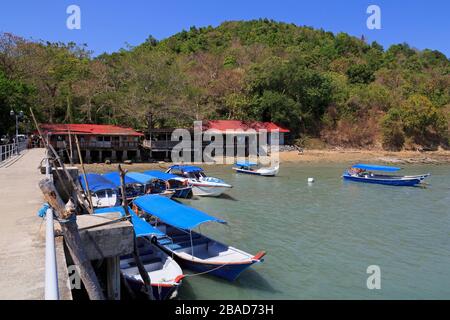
column 363, row 173
column 202, row 185
column 177, row 184
column 152, row 185
column 133, row 188
column 248, row 167
column 164, row 272
column 192, row 249
column 103, row 192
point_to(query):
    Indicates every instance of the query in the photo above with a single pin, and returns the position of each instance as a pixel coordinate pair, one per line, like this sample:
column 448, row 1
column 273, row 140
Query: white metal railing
column 51, row 271
column 7, row 151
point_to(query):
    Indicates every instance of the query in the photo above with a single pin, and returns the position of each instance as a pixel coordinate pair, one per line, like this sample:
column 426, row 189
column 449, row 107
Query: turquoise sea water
column 321, row 238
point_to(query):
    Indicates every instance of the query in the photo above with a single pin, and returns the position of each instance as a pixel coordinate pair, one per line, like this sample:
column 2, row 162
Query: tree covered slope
column 335, row 87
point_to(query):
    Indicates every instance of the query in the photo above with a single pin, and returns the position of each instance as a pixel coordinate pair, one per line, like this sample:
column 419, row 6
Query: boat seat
column 142, row 252
column 164, row 241
column 145, row 261
column 185, row 237
column 186, row 244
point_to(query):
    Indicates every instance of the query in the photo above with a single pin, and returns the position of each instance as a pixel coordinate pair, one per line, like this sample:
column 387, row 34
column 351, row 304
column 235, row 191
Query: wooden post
column 73, row 240
column 144, row 275
column 124, row 283
column 70, row 147
column 113, row 278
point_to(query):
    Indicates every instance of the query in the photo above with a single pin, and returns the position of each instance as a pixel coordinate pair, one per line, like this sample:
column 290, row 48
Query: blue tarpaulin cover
column 114, row 177
column 186, row 168
column 174, row 213
column 161, row 175
column 246, row 164
column 375, row 167
column 141, row 227
column 96, row 182
column 140, row 177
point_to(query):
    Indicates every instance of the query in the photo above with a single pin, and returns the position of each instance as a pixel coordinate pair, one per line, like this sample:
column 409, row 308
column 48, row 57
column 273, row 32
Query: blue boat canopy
column 161, row 175
column 186, row 168
column 141, row 178
column 246, row 164
column 114, row 177
column 375, row 167
column 173, row 213
column 96, row 182
column 141, row 227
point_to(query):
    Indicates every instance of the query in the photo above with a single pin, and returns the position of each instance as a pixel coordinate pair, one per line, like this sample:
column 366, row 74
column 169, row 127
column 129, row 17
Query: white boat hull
column 105, row 202
column 267, row 172
column 204, row 190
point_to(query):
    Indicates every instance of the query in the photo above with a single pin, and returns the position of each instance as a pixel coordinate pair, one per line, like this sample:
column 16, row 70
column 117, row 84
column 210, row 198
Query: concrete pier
column 22, row 236
column 22, row 246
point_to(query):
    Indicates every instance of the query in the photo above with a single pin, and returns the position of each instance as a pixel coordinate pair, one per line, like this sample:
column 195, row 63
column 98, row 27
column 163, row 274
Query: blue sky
column 110, row 25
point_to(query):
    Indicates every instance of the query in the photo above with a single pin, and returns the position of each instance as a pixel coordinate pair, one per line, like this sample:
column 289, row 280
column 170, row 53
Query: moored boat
column 248, row 167
column 133, row 188
column 180, row 186
column 164, row 272
column 202, row 185
column 152, row 185
column 363, row 173
column 192, row 249
column 103, row 192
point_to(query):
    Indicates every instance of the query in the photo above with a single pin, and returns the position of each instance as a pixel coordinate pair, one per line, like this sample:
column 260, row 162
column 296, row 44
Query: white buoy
column 310, row 180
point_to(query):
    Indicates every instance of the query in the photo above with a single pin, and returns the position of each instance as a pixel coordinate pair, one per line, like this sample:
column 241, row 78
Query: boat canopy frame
column 246, row 164
column 141, row 227
column 173, row 213
column 375, row 167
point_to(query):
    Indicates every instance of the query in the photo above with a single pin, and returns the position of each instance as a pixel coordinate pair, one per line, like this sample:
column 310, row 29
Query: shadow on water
column 250, row 280
column 222, row 196
column 186, row 290
column 227, row 197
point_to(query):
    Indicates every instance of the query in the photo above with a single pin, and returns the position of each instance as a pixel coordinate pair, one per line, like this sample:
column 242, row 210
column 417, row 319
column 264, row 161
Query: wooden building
column 97, row 142
column 158, row 141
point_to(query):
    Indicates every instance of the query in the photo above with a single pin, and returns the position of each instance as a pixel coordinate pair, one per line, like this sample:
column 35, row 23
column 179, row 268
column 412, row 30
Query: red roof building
column 88, row 129
column 98, row 142
column 243, row 126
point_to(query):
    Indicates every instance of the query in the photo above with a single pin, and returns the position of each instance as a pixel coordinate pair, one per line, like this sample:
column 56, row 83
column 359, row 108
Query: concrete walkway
column 22, row 248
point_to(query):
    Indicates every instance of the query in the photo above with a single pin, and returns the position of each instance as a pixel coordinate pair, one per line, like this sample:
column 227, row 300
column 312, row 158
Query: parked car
column 5, row 139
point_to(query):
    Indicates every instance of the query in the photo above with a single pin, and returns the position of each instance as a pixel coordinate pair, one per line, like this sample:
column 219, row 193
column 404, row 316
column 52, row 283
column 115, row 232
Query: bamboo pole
column 49, row 147
column 72, row 237
column 144, row 275
column 88, row 191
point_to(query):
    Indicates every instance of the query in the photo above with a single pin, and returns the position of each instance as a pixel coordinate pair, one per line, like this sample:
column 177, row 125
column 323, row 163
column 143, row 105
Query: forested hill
column 340, row 89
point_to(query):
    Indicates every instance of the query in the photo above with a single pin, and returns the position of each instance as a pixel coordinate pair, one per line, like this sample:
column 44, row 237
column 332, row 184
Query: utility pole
column 18, row 117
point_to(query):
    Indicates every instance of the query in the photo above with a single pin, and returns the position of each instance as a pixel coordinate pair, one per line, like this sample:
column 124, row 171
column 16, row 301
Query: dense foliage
column 334, row 87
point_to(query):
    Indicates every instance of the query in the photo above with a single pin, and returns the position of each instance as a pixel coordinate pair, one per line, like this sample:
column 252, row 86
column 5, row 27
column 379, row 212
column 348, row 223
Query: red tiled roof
column 98, row 129
column 237, row 125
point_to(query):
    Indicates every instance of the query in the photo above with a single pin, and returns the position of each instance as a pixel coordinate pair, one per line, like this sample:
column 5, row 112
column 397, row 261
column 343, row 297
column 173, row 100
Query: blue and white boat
column 152, row 184
column 164, row 272
column 363, row 173
column 103, row 192
column 175, row 183
column 249, row 167
column 192, row 249
column 202, row 185
column 133, row 188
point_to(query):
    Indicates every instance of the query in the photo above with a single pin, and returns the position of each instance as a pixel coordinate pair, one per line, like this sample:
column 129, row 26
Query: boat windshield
column 358, row 172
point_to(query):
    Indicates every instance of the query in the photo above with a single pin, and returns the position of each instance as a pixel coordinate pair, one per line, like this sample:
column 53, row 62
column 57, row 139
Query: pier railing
column 8, row 151
column 51, row 271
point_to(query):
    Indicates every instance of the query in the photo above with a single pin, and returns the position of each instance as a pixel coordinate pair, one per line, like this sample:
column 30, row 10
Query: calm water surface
column 321, row 238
